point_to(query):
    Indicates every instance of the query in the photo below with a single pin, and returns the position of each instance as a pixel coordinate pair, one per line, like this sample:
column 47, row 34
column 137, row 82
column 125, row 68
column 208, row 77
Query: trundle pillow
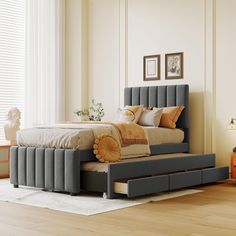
column 130, row 113
column 106, row 149
column 170, row 116
column 150, row 117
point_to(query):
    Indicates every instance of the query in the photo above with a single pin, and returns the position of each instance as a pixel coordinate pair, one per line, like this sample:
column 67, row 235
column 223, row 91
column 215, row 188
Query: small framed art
column 151, row 67
column 174, row 65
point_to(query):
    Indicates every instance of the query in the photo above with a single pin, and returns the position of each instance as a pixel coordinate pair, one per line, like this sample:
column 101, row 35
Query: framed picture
column 174, row 68
column 151, row 67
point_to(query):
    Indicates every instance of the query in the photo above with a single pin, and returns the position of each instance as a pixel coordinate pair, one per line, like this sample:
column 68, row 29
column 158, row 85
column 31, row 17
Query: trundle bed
column 169, row 167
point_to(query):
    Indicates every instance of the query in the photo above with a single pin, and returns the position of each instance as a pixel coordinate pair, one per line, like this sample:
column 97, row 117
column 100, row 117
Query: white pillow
column 130, row 113
column 150, row 117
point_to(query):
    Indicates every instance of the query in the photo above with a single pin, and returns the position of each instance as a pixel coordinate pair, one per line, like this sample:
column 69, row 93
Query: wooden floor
column 212, row 212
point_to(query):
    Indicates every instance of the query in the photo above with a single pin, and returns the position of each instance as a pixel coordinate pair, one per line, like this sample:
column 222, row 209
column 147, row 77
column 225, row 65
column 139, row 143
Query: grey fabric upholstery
column 162, row 96
column 51, row 169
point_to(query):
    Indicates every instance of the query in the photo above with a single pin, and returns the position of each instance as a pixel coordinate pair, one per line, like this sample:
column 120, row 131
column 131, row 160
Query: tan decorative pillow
column 131, row 113
column 150, row 117
column 106, row 149
column 170, row 116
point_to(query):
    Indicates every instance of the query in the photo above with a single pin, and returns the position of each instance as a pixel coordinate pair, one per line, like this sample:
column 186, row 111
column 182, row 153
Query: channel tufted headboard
column 162, row 96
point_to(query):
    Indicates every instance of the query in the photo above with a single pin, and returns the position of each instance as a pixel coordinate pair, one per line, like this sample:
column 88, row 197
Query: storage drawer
column 142, row 186
column 215, row 174
column 184, row 179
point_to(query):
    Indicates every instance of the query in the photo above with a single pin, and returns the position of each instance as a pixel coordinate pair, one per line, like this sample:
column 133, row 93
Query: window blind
column 12, row 58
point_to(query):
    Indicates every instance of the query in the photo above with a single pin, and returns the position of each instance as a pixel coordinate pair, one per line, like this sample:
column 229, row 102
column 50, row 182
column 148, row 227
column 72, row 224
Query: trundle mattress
column 103, row 167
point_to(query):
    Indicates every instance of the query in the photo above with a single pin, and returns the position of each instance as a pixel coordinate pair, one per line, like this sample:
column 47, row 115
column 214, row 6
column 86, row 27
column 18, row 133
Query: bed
column 65, row 170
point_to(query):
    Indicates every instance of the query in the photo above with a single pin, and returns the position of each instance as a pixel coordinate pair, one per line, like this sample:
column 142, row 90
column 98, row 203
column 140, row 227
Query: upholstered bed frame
column 59, row 169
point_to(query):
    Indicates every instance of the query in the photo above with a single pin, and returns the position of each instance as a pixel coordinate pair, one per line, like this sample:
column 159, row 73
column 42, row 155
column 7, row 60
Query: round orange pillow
column 106, row 149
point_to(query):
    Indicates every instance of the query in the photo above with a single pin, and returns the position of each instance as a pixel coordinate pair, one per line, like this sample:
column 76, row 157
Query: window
column 12, row 58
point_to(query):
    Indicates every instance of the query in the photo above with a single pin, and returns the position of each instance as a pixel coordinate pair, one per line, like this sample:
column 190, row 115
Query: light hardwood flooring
column 212, row 212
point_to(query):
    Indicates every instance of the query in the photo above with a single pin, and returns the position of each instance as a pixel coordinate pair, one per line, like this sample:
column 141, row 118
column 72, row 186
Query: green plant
column 94, row 113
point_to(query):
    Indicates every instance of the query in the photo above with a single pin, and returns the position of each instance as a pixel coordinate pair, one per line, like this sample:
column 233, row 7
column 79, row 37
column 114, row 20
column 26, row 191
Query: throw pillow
column 130, row 113
column 150, row 117
column 106, row 149
column 170, row 116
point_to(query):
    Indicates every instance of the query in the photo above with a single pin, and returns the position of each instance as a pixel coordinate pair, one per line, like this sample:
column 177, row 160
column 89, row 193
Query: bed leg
column 104, row 195
column 15, row 186
column 73, row 194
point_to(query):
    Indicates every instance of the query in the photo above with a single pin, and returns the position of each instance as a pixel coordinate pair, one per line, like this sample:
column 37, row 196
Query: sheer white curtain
column 45, row 93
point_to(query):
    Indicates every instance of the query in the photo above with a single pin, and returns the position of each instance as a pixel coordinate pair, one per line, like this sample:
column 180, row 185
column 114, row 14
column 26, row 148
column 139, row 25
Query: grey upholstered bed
column 60, row 169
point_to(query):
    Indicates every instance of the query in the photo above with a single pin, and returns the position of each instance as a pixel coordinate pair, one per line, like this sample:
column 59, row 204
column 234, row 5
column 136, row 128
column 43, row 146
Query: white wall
column 117, row 45
column 121, row 32
column 76, row 56
column 150, row 28
column 159, row 27
column 225, row 78
column 104, row 54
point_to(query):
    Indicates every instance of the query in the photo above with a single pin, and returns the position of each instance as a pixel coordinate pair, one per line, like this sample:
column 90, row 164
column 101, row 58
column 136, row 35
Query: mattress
column 76, row 136
column 82, row 136
column 103, row 167
column 56, row 137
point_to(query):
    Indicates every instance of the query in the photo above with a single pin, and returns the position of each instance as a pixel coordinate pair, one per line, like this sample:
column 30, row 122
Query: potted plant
column 93, row 113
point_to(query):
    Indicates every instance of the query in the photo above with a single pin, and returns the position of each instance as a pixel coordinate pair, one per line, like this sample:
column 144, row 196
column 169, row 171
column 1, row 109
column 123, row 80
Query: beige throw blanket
column 130, row 133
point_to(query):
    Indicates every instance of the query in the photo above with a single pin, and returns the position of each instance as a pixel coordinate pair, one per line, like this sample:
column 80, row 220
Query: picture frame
column 174, row 65
column 151, row 67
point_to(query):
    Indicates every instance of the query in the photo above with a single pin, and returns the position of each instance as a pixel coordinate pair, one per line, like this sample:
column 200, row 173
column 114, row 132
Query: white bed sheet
column 159, row 135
